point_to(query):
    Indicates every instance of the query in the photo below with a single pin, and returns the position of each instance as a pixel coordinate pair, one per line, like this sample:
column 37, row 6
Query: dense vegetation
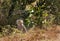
column 41, row 13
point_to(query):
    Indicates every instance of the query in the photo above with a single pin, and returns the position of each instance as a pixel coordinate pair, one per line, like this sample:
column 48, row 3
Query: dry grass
column 35, row 34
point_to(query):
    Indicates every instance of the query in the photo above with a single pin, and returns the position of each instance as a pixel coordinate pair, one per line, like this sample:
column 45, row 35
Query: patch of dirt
column 36, row 34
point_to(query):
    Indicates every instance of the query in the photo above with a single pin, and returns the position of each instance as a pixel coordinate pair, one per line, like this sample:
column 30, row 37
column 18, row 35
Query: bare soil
column 36, row 34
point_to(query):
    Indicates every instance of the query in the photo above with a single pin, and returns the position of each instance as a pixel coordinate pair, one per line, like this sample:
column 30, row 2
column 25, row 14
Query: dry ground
column 36, row 34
